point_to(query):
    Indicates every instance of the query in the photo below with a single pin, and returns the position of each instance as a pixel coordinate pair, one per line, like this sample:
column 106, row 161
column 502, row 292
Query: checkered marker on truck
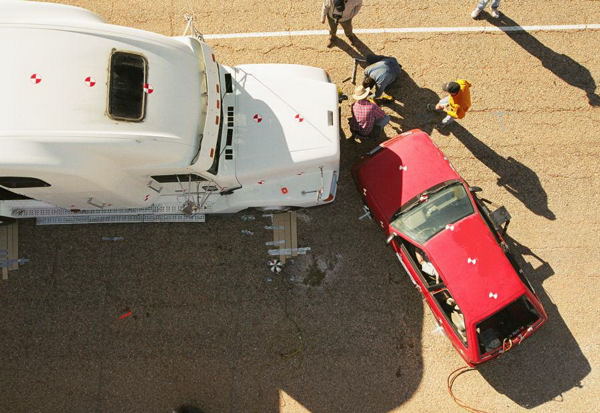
column 35, row 78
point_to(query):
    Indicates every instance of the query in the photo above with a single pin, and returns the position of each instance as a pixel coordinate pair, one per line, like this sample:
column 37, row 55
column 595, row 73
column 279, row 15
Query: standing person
column 481, row 5
column 382, row 71
column 457, row 103
column 367, row 117
column 342, row 12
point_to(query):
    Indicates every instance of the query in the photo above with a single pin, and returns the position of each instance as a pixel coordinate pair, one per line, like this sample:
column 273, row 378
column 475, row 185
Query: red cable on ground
column 450, row 382
column 122, row 316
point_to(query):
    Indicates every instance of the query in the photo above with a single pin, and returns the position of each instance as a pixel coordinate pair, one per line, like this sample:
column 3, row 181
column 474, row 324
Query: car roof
column 406, row 166
column 474, row 267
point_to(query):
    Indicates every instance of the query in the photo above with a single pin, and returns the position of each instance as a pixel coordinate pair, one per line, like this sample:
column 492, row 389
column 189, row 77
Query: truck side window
column 21, row 182
column 126, row 97
column 166, row 179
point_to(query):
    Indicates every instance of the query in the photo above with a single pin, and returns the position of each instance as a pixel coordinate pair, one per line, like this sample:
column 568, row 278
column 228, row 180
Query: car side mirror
column 474, row 189
column 390, row 238
column 501, row 218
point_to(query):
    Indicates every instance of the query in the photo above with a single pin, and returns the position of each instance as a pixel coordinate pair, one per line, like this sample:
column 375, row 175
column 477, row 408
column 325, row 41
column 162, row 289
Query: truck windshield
column 433, row 211
column 505, row 324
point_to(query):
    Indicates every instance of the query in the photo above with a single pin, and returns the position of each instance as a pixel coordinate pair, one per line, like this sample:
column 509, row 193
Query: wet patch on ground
column 310, row 270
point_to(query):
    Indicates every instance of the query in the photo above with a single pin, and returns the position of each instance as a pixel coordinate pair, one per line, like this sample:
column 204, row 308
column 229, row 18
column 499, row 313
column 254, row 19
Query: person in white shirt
column 342, row 12
column 426, row 266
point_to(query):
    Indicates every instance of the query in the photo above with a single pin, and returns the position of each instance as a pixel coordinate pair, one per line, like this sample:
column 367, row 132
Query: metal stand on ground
column 9, row 248
column 285, row 238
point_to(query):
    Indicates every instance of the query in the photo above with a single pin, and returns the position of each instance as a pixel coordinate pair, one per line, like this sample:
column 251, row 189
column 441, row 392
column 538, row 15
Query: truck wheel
column 6, row 221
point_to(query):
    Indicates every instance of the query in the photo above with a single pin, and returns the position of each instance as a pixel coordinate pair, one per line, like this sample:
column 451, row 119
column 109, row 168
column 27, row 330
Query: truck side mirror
column 474, row 189
column 390, row 238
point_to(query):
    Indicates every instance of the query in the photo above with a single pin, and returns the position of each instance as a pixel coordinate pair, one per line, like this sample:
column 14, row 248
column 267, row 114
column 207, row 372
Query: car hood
column 403, row 168
column 286, row 119
column 474, row 267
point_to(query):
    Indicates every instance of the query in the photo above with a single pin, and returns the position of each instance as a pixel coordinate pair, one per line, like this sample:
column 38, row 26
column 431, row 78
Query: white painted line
column 480, row 29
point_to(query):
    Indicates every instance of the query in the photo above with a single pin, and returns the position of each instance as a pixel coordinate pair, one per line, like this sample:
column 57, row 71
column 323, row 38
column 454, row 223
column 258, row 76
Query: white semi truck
column 103, row 123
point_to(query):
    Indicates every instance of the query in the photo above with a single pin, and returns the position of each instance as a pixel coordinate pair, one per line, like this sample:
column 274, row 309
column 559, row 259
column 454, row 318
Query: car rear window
column 126, row 97
column 506, row 324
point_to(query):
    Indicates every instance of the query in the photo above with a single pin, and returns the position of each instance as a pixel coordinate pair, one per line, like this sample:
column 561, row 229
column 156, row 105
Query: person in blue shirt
column 381, row 72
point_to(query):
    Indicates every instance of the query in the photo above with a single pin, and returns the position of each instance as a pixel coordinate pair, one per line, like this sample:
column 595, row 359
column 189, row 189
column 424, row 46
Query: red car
column 450, row 244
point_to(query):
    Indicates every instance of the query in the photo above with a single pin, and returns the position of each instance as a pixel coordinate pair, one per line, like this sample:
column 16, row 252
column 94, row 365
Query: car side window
column 422, row 264
column 435, row 285
column 453, row 313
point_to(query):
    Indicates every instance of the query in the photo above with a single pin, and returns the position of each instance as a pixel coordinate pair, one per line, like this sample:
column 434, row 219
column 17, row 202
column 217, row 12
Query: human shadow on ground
column 346, row 47
column 517, row 178
column 563, row 66
column 550, row 362
column 360, row 49
column 410, row 104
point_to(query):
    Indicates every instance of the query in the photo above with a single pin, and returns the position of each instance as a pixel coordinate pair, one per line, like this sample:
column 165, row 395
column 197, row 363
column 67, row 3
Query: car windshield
column 432, row 211
column 505, row 324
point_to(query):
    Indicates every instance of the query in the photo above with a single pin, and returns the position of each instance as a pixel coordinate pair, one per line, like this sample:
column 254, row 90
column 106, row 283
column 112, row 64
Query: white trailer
column 104, row 123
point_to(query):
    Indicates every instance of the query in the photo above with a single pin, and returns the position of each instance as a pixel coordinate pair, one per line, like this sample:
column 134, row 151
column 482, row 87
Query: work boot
column 385, row 96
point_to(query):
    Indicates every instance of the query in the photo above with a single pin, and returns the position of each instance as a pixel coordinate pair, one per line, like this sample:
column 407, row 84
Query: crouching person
column 381, row 71
column 456, row 104
column 368, row 119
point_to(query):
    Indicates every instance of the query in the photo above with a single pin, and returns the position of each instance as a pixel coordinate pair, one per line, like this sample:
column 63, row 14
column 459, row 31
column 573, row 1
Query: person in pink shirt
column 367, row 117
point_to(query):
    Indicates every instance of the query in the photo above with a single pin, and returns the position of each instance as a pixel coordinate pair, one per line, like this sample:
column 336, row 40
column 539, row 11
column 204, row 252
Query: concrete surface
column 341, row 330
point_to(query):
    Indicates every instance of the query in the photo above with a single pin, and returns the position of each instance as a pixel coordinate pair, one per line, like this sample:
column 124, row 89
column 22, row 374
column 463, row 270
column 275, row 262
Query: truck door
column 185, row 188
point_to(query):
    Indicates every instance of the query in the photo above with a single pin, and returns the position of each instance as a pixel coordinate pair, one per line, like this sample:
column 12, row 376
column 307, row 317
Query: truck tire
column 6, row 221
column 276, row 209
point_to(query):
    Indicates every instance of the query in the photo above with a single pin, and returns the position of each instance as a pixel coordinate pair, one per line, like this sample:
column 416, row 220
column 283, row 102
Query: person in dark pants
column 381, row 72
column 342, row 12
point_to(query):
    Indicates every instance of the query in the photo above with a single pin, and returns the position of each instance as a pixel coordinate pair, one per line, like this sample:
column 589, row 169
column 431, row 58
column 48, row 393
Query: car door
column 434, row 293
column 404, row 252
